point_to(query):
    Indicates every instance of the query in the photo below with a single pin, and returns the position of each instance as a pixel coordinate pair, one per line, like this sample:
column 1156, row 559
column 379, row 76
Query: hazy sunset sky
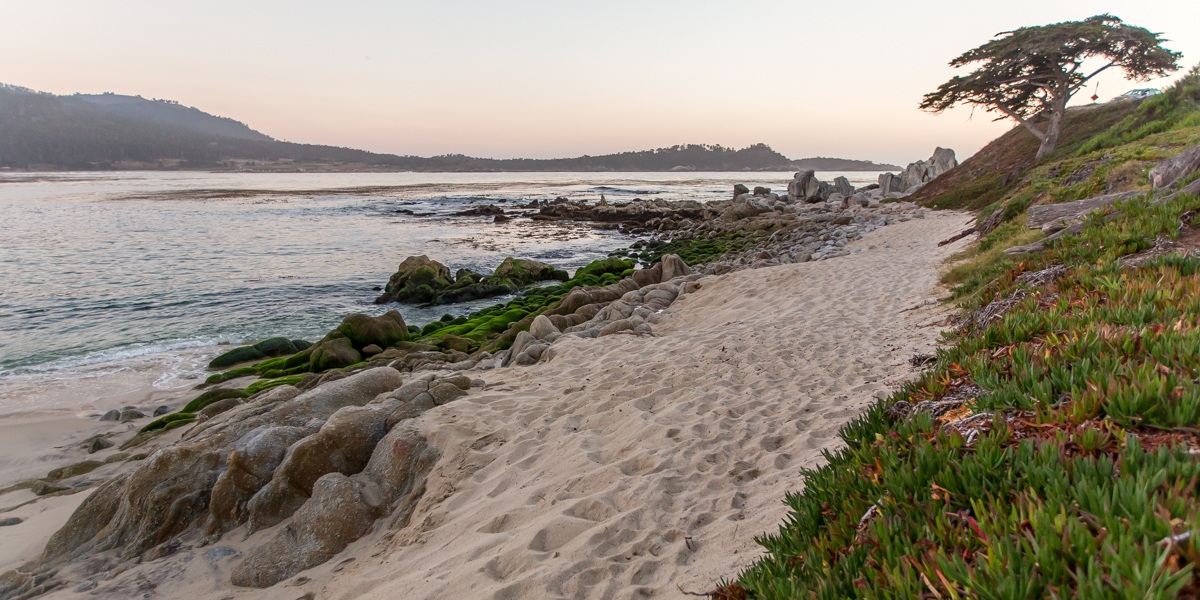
column 540, row 78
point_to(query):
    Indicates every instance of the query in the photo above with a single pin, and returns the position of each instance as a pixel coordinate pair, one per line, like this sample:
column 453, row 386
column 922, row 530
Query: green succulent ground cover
column 1072, row 469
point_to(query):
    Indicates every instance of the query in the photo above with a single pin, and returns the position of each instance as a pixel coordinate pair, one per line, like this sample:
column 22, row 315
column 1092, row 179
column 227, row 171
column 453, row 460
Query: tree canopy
column 1030, row 74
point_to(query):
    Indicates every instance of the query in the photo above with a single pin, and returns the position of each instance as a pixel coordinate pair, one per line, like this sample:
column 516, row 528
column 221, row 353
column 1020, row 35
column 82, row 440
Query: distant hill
column 112, row 132
column 169, row 113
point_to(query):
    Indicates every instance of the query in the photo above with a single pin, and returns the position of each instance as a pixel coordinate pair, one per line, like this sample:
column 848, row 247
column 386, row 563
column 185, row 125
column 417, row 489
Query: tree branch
column 1097, row 72
column 1040, row 135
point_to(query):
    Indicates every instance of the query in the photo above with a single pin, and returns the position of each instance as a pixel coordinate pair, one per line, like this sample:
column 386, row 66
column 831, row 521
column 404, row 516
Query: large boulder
column 842, row 186
column 334, row 352
column 921, row 172
column 804, row 187
column 414, row 279
column 889, row 182
column 343, row 445
column 745, row 206
column 343, row 509
column 209, row 473
column 942, row 160
column 383, row 331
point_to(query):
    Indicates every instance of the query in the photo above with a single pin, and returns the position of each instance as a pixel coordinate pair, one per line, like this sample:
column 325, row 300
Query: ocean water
column 105, row 271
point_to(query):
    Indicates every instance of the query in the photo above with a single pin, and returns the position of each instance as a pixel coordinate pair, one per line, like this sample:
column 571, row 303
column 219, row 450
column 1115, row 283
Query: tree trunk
column 1058, row 113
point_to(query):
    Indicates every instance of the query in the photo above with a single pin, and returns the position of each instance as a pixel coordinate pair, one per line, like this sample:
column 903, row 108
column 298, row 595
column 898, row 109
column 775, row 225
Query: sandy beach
column 624, row 466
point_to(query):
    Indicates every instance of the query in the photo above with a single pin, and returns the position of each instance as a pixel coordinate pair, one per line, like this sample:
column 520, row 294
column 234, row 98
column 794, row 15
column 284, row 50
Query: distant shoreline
column 317, row 168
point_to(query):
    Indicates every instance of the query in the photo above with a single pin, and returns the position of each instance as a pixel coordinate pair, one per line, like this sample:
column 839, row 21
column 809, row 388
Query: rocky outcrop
column 344, row 346
column 344, row 508
column 333, row 459
column 804, row 187
column 921, row 172
column 416, row 280
column 420, row 280
column 638, row 212
column 595, row 312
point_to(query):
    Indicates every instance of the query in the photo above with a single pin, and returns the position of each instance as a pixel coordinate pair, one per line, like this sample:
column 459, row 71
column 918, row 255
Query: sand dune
column 640, row 466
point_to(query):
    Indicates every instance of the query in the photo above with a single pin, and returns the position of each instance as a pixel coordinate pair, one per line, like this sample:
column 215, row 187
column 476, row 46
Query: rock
column 942, row 160
column 745, row 206
column 217, row 408
column 251, row 466
column 462, row 382
column 336, row 515
column 519, row 344
column 525, row 272
column 168, row 493
column 131, row 414
column 921, row 172
column 10, row 521
column 457, row 343
column 97, row 443
column 804, row 187
column 45, row 488
column 501, row 219
column 542, row 328
column 333, row 354
column 761, row 191
column 112, row 415
column 343, row 445
column 371, row 350
column 343, row 509
column 412, row 273
column 739, row 189
column 673, row 266
column 914, row 176
column 271, row 347
column 1168, row 172
column 889, row 183
column 382, row 331
column 843, row 187
column 444, row 392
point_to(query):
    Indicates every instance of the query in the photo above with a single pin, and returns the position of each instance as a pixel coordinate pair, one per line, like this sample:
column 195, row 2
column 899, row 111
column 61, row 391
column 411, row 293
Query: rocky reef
column 420, row 280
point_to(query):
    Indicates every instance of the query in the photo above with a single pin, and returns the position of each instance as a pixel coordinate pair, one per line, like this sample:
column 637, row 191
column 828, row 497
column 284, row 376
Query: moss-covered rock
column 167, row 422
column 423, row 281
column 333, row 353
column 211, row 396
column 276, row 346
column 412, row 273
column 78, row 468
column 383, row 331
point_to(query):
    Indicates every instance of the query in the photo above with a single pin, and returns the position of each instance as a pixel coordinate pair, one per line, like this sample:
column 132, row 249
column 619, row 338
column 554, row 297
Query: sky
column 554, row 78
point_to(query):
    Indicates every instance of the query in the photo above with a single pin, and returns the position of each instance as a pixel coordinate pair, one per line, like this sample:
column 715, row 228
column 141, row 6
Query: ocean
column 105, row 273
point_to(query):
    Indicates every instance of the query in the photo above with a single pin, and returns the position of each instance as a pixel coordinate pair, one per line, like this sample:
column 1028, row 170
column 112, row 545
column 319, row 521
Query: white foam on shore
column 70, row 365
column 107, row 379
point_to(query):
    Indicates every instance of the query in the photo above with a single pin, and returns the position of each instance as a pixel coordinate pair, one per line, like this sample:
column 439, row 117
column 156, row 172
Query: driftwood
column 958, row 236
column 1040, row 245
column 1191, row 188
column 1040, row 216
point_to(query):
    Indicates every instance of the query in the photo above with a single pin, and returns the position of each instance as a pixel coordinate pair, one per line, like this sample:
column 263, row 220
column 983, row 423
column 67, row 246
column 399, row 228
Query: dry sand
column 637, row 466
